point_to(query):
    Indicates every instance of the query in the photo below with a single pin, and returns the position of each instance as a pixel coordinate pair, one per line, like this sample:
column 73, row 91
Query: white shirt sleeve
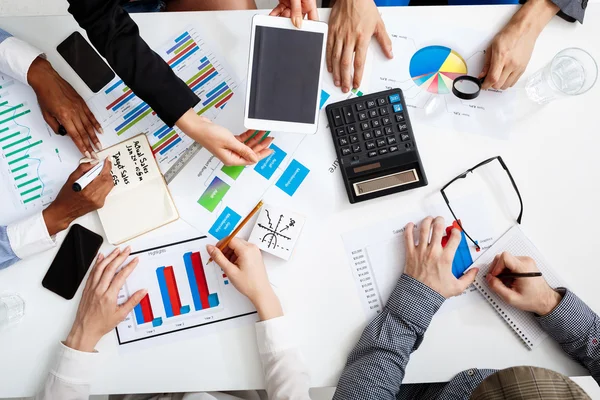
column 285, row 372
column 16, row 57
column 29, row 236
column 70, row 376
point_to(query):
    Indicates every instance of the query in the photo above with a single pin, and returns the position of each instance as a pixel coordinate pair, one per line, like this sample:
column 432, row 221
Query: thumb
column 217, row 255
column 468, row 278
column 384, row 40
column 50, row 120
column 505, row 293
column 296, row 8
column 243, row 151
column 486, row 63
column 133, row 301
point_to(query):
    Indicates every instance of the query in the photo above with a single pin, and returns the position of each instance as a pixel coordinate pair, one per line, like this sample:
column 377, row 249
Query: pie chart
column 434, row 68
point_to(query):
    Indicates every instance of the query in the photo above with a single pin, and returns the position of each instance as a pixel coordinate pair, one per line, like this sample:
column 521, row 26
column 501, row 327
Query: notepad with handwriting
column 523, row 323
column 140, row 200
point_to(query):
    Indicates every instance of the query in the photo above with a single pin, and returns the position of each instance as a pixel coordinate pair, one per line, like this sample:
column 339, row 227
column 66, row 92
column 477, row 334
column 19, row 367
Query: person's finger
column 243, row 151
column 467, row 279
column 92, row 118
column 362, row 47
column 250, row 133
column 260, row 146
column 494, row 72
column 254, row 140
column 503, row 77
column 109, row 272
column 238, row 245
column 133, row 301
column 276, row 12
column 486, row 62
column 438, row 229
column 91, row 131
column 287, row 13
column 346, row 64
column 511, row 80
column 79, row 172
column 52, row 122
column 384, row 40
column 98, row 269
column 313, row 14
column 76, row 138
column 227, row 266
column 409, row 238
column 329, row 50
column 119, row 279
column 338, row 48
column 296, row 8
column 452, row 243
column 424, row 231
column 83, row 134
column 505, row 293
column 265, row 153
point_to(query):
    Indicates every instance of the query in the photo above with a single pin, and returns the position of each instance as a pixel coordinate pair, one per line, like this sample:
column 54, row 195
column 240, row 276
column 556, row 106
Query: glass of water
column 571, row 72
column 12, row 309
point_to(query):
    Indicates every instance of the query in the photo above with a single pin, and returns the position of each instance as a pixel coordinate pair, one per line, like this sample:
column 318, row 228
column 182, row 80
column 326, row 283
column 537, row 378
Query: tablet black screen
column 285, row 75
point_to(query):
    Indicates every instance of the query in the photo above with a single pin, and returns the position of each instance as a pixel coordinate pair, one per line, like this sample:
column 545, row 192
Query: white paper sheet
column 277, row 230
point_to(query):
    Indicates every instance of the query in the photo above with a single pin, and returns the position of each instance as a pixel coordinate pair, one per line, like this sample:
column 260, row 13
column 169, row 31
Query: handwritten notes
column 131, row 162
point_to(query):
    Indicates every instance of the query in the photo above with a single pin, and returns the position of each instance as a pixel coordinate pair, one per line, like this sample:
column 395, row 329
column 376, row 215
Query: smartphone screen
column 85, row 61
column 72, row 261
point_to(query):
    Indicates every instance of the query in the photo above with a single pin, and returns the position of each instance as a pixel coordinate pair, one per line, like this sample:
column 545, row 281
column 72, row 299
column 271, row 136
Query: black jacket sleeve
column 116, row 37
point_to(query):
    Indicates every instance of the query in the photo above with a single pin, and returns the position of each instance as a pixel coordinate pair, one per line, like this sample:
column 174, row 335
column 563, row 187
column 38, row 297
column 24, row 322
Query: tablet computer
column 284, row 75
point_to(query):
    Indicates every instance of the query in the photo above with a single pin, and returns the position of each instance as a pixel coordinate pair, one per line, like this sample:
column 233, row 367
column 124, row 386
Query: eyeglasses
column 464, row 175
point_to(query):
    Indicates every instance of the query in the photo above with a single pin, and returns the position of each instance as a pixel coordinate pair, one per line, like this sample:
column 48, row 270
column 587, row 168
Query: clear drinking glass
column 12, row 309
column 571, row 72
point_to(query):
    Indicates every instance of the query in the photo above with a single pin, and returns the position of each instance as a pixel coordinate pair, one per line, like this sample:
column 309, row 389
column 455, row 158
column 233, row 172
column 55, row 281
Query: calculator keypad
column 372, row 127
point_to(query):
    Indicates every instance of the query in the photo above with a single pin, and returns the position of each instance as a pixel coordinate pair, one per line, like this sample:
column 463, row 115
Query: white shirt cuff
column 73, row 366
column 16, row 57
column 29, row 236
column 274, row 335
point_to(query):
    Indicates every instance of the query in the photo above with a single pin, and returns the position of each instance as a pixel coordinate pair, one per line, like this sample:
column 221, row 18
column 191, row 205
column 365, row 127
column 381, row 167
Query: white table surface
column 553, row 156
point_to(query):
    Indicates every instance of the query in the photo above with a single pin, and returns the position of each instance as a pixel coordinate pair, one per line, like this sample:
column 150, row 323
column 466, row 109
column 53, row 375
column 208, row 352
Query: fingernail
column 297, row 22
column 336, row 83
column 210, row 248
column 345, row 90
column 99, row 145
column 87, row 154
column 100, row 130
column 94, row 155
column 117, row 250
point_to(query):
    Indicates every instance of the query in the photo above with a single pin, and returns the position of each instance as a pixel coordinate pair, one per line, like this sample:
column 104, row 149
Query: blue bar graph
column 189, row 268
column 213, row 300
column 189, row 53
column 139, row 317
column 136, row 109
column 184, row 310
column 215, row 96
column 134, row 116
column 215, row 90
column 184, row 38
column 113, row 87
column 157, row 322
column 124, row 101
column 169, row 147
column 164, row 291
column 165, row 133
column 205, row 81
column 183, row 35
column 162, row 130
column 204, row 64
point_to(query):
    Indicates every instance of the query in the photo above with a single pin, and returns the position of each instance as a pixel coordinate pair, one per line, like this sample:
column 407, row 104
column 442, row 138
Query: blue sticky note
column 225, row 224
column 324, row 98
column 267, row 166
column 292, row 177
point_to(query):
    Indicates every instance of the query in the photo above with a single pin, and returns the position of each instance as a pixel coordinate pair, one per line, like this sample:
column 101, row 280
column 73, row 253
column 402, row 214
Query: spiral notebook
column 523, row 323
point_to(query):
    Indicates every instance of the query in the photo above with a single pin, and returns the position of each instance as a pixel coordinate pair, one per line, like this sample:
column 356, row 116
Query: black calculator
column 375, row 145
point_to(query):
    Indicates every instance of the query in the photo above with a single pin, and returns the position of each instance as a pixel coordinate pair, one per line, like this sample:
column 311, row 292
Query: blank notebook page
column 523, row 323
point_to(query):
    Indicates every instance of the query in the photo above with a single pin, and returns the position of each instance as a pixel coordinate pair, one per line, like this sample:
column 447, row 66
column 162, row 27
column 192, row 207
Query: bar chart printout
column 183, row 292
column 34, row 162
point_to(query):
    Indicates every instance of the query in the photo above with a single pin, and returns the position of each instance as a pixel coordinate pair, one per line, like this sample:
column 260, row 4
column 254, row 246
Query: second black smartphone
column 72, row 261
column 85, row 61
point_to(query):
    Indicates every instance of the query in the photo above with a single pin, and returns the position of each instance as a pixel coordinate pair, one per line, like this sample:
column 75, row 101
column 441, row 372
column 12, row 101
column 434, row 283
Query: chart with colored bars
column 34, row 162
column 463, row 258
column 434, row 68
column 183, row 292
column 124, row 115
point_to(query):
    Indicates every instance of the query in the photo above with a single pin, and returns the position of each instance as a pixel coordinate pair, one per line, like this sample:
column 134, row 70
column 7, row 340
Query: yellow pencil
column 229, row 238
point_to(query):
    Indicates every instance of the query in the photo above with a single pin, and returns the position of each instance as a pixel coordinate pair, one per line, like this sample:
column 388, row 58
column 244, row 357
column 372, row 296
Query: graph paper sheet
column 523, row 323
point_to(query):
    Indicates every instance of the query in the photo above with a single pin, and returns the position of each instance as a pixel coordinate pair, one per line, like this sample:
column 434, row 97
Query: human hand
column 296, row 10
column 70, row 205
column 510, row 51
column 527, row 294
column 244, row 266
column 430, row 263
column 228, row 148
column 62, row 105
column 98, row 311
column 351, row 25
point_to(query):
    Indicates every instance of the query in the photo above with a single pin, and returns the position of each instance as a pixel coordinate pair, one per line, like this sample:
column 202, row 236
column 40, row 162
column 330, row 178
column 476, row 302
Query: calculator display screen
column 286, row 67
column 386, row 182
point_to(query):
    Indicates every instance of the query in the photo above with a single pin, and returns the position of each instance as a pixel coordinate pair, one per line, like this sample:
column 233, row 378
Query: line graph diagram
column 272, row 234
column 276, row 231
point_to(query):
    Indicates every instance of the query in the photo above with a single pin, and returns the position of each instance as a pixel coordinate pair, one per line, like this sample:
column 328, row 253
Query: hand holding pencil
column 531, row 294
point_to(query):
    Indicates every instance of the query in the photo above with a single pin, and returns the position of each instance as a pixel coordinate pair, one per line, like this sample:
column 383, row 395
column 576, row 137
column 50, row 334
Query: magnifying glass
column 467, row 87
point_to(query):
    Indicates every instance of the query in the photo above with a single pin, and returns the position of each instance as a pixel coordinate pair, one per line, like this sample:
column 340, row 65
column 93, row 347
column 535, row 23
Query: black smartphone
column 88, row 64
column 72, row 261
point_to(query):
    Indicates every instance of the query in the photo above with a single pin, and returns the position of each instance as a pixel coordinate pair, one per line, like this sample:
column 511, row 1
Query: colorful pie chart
column 434, row 68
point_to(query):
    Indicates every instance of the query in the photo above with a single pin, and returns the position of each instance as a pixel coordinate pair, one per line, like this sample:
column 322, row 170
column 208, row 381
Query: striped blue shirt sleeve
column 576, row 328
column 375, row 367
column 7, row 255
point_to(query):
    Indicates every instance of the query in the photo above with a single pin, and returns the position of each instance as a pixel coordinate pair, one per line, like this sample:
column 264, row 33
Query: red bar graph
column 173, row 291
column 200, row 280
column 225, row 100
column 147, row 309
column 111, row 105
column 178, row 56
column 210, row 71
